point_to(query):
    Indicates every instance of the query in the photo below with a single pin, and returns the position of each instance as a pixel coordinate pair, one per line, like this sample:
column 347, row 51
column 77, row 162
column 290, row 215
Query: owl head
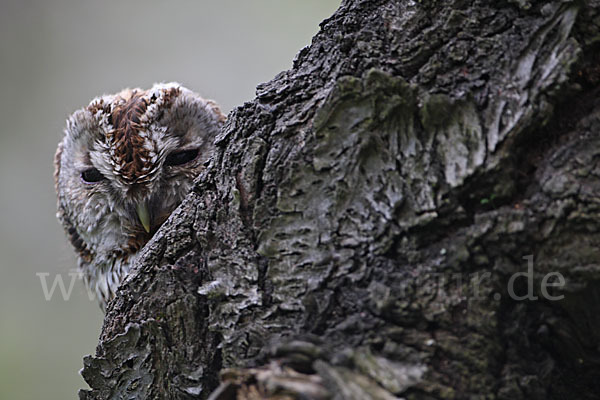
column 125, row 163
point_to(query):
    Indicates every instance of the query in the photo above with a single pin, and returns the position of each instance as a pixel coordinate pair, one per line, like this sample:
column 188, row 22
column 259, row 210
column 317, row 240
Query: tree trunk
column 412, row 210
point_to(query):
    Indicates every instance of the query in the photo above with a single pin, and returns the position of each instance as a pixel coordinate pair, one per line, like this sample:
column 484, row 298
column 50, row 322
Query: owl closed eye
column 125, row 163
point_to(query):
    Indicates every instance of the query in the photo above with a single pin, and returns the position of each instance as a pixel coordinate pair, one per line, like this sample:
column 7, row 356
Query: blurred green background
column 55, row 56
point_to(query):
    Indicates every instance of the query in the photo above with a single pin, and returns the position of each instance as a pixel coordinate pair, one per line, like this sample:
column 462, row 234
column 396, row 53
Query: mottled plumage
column 126, row 161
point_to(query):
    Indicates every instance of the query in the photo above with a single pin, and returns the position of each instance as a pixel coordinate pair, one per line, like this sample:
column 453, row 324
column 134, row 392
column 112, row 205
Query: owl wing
column 63, row 216
column 57, row 156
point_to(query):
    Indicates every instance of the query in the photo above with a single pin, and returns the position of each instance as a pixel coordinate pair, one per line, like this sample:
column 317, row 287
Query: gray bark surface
column 355, row 234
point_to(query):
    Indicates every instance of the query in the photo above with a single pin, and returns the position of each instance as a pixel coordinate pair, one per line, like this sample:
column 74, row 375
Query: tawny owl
column 125, row 163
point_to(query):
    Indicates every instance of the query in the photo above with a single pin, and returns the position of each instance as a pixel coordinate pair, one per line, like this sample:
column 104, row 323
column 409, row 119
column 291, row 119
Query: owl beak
column 143, row 215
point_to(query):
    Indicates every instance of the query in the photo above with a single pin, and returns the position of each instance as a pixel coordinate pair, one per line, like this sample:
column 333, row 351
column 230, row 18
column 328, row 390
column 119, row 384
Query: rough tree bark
column 356, row 232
